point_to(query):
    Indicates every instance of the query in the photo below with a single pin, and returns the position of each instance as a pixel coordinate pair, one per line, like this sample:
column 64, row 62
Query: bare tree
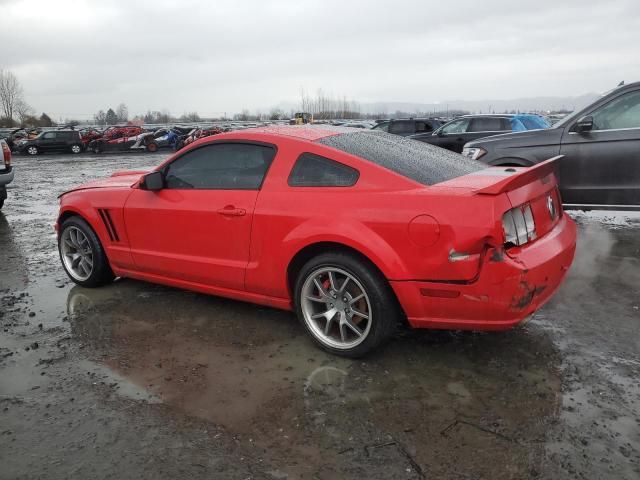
column 11, row 93
column 122, row 113
column 23, row 111
column 100, row 118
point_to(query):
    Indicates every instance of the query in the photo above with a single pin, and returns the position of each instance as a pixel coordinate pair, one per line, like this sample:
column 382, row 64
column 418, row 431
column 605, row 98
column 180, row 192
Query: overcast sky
column 76, row 57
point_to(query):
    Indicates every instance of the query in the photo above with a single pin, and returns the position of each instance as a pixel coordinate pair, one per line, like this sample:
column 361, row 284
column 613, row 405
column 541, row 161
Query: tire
column 152, row 147
column 1, row 203
column 100, row 271
column 32, row 150
column 75, row 149
column 379, row 304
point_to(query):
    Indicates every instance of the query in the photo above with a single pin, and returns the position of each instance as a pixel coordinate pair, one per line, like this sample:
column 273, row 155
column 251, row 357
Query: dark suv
column 600, row 144
column 454, row 134
column 414, row 128
column 52, row 141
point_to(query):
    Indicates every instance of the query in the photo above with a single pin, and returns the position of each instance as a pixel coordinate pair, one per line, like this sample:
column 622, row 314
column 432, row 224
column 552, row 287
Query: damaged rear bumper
column 510, row 287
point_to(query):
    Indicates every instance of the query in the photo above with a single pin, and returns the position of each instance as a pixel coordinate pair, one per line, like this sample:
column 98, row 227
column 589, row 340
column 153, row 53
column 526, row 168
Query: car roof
column 303, row 132
column 496, row 115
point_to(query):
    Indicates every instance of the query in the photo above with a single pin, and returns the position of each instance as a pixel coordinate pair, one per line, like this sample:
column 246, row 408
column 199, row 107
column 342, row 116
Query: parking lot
column 141, row 381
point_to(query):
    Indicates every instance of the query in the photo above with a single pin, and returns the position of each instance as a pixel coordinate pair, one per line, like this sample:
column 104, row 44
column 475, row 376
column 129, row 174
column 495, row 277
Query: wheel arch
column 317, row 248
column 511, row 162
column 72, row 212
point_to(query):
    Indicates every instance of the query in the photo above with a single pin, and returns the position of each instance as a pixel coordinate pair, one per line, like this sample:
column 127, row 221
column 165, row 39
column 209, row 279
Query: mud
column 141, row 381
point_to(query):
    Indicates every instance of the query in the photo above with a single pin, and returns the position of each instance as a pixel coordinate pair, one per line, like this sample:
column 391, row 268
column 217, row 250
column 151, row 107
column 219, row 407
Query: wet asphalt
column 136, row 380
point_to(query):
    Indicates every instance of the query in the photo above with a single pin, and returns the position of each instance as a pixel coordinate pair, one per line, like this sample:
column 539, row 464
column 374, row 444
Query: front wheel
column 345, row 304
column 82, row 255
column 152, row 147
column 76, row 149
column 33, row 150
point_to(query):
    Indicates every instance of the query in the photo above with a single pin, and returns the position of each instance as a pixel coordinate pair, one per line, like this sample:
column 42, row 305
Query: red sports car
column 353, row 229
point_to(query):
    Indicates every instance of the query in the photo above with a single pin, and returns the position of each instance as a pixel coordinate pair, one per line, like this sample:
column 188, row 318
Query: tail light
column 6, row 153
column 518, row 225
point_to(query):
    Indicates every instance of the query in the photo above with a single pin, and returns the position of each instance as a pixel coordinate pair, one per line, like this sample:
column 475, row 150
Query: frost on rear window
column 419, row 161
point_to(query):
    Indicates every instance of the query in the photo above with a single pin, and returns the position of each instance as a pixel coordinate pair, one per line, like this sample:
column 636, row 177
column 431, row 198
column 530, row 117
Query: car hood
column 529, row 138
column 120, row 179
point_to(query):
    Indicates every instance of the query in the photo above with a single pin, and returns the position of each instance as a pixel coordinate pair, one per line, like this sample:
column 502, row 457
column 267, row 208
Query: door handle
column 231, row 211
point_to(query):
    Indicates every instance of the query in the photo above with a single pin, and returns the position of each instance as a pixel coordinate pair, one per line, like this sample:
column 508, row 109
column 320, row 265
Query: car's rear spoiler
column 536, row 172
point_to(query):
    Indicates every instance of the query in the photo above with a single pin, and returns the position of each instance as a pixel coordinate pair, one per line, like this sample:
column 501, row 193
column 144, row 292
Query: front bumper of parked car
column 511, row 285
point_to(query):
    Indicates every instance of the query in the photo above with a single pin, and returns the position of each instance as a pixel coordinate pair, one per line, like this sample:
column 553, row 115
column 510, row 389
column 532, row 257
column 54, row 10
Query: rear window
column 419, row 161
column 315, row 171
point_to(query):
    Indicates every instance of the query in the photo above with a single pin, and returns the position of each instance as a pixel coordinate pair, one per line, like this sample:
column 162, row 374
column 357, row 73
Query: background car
column 409, row 127
column 456, row 133
column 600, row 144
column 353, row 229
column 52, row 141
column 6, row 171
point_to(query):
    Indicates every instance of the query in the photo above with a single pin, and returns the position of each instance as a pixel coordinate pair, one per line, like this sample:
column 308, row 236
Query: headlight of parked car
column 473, row 152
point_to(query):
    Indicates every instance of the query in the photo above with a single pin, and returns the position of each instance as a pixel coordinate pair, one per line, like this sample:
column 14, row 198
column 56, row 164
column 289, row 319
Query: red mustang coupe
column 355, row 230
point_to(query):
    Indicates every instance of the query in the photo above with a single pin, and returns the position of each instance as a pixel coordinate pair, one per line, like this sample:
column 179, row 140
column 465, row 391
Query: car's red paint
column 240, row 243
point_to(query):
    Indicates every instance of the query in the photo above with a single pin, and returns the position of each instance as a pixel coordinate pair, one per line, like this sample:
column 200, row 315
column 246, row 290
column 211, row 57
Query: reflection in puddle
column 254, row 371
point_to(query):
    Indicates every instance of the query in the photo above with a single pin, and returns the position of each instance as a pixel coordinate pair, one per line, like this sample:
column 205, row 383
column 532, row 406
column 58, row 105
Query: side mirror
column 153, row 181
column 584, row 124
column 439, row 132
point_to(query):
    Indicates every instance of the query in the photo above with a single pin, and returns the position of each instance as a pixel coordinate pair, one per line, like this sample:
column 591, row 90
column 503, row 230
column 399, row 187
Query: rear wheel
column 33, row 150
column 345, row 304
column 152, row 147
column 82, row 255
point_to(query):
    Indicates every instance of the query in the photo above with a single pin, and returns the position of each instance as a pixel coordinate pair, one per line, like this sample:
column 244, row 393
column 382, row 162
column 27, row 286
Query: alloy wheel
column 336, row 307
column 77, row 254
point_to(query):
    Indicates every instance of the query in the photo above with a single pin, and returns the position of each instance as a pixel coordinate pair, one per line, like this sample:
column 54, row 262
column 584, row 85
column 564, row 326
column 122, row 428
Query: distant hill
column 484, row 106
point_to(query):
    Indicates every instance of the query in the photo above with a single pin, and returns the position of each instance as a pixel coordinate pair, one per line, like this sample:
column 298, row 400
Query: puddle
column 254, row 371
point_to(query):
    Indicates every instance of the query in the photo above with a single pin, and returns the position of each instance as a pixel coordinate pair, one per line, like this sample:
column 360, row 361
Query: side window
column 456, row 126
column 423, row 127
column 486, row 124
column 505, row 124
column 623, row 112
column 315, row 171
column 49, row 135
column 382, row 127
column 402, row 127
column 222, row 166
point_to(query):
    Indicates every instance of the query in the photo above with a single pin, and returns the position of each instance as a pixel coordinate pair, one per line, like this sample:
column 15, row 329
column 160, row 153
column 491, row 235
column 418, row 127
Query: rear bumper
column 509, row 288
column 6, row 176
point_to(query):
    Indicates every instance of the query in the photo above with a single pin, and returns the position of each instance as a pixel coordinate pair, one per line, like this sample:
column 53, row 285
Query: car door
column 602, row 164
column 62, row 141
column 198, row 227
column 450, row 135
column 49, row 142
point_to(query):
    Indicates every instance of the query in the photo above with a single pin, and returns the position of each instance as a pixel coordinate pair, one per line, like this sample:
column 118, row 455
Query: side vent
column 108, row 223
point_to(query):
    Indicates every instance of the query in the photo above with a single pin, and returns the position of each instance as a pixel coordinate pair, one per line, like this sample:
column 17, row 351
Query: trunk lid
column 536, row 186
